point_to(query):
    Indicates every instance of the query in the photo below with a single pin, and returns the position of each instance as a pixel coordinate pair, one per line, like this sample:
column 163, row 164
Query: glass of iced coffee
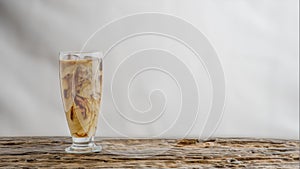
column 81, row 91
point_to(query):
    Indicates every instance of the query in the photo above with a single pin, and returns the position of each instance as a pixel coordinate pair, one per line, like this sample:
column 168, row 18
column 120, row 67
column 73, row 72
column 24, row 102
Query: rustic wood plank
column 39, row 152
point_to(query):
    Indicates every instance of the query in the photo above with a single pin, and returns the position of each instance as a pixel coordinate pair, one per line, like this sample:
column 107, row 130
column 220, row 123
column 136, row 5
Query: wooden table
column 39, row 152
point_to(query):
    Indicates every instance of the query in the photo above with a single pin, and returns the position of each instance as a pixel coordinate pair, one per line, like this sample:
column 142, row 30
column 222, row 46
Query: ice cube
column 71, row 57
column 90, row 58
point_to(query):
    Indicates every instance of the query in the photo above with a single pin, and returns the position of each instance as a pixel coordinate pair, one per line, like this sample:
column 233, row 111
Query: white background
column 256, row 41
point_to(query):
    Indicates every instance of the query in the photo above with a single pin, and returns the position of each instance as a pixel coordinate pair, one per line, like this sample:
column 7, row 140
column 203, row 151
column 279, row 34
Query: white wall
column 256, row 41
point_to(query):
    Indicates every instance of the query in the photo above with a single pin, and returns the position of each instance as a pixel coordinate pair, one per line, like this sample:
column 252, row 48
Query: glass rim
column 63, row 53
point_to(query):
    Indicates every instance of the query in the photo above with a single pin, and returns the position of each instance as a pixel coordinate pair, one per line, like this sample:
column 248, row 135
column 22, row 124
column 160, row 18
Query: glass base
column 83, row 145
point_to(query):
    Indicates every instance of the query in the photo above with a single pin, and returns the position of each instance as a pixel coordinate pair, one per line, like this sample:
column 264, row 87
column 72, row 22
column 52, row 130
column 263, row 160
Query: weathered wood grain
column 48, row 152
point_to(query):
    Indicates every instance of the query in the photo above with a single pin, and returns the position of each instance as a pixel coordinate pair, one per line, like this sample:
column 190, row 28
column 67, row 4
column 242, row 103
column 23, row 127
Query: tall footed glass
column 81, row 91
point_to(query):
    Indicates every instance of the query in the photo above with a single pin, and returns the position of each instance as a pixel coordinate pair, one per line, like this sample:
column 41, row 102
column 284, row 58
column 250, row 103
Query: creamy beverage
column 81, row 87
